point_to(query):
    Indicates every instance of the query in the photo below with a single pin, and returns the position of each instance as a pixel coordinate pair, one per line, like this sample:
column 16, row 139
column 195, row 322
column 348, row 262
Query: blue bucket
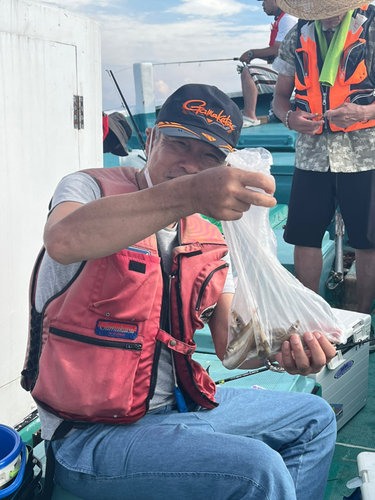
column 12, row 460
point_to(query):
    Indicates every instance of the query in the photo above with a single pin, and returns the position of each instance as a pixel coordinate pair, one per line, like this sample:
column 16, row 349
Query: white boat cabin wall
column 48, row 56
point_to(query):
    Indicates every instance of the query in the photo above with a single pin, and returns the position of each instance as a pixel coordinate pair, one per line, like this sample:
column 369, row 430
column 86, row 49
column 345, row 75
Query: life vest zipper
column 98, row 342
column 182, row 333
column 205, row 283
column 304, row 71
column 171, row 277
column 324, row 104
column 179, row 398
column 346, row 57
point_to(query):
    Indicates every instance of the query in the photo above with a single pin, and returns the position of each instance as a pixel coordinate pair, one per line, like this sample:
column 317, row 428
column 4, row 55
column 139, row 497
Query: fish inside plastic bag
column 269, row 304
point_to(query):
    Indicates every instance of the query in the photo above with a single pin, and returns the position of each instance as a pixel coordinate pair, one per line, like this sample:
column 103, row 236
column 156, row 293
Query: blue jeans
column 258, row 445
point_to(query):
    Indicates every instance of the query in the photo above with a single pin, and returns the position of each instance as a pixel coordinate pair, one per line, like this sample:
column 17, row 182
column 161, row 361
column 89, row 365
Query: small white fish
column 250, row 337
column 280, row 335
column 242, row 341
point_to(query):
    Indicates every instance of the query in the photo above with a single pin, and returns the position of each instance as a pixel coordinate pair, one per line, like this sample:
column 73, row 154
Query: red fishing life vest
column 352, row 84
column 94, row 349
column 275, row 29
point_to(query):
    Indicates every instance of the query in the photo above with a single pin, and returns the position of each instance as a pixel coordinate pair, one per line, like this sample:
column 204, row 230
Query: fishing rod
column 253, row 66
column 124, row 104
column 360, row 343
column 201, row 61
column 341, row 347
column 247, row 374
column 183, row 62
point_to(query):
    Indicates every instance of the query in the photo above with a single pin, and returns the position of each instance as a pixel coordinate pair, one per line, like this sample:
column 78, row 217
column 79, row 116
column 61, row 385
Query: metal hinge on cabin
column 78, row 112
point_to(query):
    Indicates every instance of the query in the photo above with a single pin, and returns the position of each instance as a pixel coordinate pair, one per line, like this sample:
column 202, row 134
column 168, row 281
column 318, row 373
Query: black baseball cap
column 203, row 112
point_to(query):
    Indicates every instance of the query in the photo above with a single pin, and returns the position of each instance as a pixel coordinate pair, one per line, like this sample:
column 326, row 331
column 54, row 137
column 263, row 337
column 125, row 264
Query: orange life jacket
column 94, row 349
column 352, row 84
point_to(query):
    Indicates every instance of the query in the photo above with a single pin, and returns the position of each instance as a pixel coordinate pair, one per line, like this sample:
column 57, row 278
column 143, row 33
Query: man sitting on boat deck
column 330, row 63
column 130, row 273
column 283, row 23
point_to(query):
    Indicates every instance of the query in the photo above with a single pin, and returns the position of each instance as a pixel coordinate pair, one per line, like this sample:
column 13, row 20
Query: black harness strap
column 59, row 433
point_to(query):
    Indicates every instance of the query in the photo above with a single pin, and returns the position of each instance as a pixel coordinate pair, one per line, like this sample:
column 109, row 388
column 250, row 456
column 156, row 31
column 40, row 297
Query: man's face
column 333, row 22
column 270, row 7
column 173, row 157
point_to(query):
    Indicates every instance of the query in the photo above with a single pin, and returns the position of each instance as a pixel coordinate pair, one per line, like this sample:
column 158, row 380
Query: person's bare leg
column 365, row 271
column 308, row 264
column 250, row 94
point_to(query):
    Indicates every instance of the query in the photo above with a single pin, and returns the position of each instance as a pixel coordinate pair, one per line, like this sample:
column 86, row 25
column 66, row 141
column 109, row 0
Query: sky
column 165, row 31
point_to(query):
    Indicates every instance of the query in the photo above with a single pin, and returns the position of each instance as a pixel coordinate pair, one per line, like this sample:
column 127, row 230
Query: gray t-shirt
column 82, row 188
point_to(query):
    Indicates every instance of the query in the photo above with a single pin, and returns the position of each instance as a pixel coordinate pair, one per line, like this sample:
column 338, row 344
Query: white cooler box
column 366, row 476
column 344, row 381
column 366, row 471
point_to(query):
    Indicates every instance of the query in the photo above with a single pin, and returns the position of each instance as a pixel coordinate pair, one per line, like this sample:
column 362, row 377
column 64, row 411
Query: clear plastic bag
column 269, row 303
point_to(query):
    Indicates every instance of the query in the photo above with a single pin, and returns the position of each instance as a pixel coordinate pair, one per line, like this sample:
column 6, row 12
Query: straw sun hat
column 314, row 10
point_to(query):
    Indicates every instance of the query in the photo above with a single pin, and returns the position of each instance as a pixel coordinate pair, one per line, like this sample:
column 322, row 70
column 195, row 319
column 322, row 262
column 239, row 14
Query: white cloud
column 188, row 40
column 162, row 88
column 211, row 8
column 128, row 39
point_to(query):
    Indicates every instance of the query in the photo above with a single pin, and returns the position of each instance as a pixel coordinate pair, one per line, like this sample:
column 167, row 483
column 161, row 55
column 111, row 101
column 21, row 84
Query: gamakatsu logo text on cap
column 198, row 107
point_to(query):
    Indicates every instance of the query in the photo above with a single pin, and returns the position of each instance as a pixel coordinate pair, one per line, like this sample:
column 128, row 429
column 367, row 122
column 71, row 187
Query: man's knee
column 264, row 469
column 323, row 417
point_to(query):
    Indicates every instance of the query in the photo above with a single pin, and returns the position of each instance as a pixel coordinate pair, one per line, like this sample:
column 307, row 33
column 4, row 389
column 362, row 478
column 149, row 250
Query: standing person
column 330, row 63
column 128, row 275
column 282, row 24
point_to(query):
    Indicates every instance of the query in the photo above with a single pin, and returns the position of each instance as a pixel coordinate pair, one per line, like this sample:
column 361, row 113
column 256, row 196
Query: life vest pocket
column 302, row 105
column 353, row 63
column 362, row 97
column 125, row 286
column 205, row 292
column 302, row 80
column 87, row 378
